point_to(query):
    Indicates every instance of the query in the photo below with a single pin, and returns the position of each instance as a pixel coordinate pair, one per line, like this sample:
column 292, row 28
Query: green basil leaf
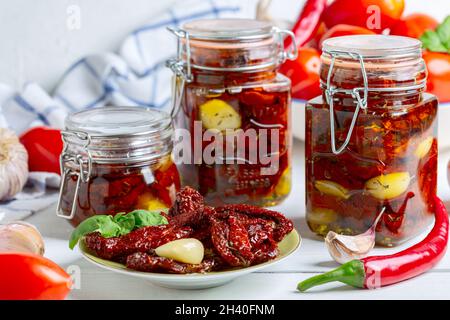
column 443, row 31
column 101, row 223
column 121, row 224
column 432, row 42
column 125, row 221
column 144, row 218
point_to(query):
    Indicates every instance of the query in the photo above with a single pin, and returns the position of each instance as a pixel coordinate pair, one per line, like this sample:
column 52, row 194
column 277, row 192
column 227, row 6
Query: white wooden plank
column 281, row 279
column 99, row 284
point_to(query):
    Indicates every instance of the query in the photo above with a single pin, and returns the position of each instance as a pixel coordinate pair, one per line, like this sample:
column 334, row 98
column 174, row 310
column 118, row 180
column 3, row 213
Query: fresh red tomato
column 438, row 82
column 304, row 73
column 344, row 30
column 25, row 276
column 44, row 146
column 363, row 13
column 414, row 25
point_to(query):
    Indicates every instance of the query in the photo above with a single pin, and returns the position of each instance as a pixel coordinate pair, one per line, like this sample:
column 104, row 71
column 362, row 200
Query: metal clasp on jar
column 182, row 68
column 361, row 102
column 68, row 162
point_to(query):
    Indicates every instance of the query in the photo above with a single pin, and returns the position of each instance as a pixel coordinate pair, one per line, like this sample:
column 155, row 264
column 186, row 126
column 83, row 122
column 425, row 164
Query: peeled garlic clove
column 424, row 147
column 332, row 188
column 187, row 250
column 13, row 164
column 344, row 248
column 219, row 115
column 389, row 186
column 21, row 237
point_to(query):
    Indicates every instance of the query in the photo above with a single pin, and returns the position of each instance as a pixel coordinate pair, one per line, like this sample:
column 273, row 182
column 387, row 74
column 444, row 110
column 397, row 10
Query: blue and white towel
column 134, row 76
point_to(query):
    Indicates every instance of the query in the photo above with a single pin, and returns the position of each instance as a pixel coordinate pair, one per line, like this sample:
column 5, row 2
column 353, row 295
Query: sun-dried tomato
column 140, row 240
column 282, row 225
column 112, row 189
column 244, row 235
column 147, row 263
column 232, row 235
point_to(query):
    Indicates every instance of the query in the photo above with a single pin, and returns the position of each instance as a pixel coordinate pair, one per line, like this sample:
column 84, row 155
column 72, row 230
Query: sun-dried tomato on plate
column 232, row 236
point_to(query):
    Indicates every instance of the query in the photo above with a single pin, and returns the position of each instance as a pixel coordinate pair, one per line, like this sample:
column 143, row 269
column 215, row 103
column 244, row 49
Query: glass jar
column 371, row 140
column 227, row 86
column 116, row 159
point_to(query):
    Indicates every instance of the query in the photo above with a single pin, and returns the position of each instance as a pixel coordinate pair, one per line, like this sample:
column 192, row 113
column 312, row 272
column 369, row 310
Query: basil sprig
column 439, row 39
column 120, row 224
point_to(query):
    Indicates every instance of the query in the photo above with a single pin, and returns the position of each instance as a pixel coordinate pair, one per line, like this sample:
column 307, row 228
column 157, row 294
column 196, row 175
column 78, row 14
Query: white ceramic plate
column 288, row 246
column 298, row 122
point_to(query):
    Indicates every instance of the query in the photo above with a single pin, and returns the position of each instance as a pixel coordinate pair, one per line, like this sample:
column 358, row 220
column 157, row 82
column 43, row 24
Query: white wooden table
column 278, row 282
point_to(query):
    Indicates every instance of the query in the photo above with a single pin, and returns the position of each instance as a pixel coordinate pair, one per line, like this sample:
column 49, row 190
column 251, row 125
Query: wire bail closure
column 182, row 68
column 82, row 175
column 361, row 103
column 286, row 55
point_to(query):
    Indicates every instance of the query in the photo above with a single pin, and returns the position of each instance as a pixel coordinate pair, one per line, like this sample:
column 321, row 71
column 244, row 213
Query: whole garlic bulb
column 13, row 164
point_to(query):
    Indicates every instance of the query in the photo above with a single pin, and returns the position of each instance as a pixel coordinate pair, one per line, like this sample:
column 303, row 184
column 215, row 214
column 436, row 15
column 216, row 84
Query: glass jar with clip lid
column 116, row 159
column 371, row 139
column 227, row 92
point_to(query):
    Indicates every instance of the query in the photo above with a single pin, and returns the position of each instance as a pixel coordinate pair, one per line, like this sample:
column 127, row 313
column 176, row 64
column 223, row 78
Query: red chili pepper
column 378, row 271
column 307, row 23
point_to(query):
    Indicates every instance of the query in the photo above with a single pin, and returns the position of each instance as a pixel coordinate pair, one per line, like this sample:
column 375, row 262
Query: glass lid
column 374, row 46
column 115, row 121
column 228, row 29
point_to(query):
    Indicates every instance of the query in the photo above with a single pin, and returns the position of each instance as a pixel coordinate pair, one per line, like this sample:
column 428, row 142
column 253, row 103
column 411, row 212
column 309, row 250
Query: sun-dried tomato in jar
column 227, row 86
column 371, row 140
column 116, row 159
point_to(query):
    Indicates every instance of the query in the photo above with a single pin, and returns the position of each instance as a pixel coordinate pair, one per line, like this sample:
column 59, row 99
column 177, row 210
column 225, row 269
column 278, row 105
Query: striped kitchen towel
column 135, row 75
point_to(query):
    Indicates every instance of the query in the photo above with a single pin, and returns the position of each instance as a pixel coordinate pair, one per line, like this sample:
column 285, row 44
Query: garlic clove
column 344, row 248
column 13, row 164
column 284, row 185
column 322, row 216
column 21, row 237
column 388, row 186
column 218, row 115
column 187, row 250
column 424, row 147
column 332, row 188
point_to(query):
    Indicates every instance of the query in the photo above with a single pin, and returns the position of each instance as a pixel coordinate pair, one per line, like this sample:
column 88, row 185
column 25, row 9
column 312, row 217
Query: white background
column 36, row 45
